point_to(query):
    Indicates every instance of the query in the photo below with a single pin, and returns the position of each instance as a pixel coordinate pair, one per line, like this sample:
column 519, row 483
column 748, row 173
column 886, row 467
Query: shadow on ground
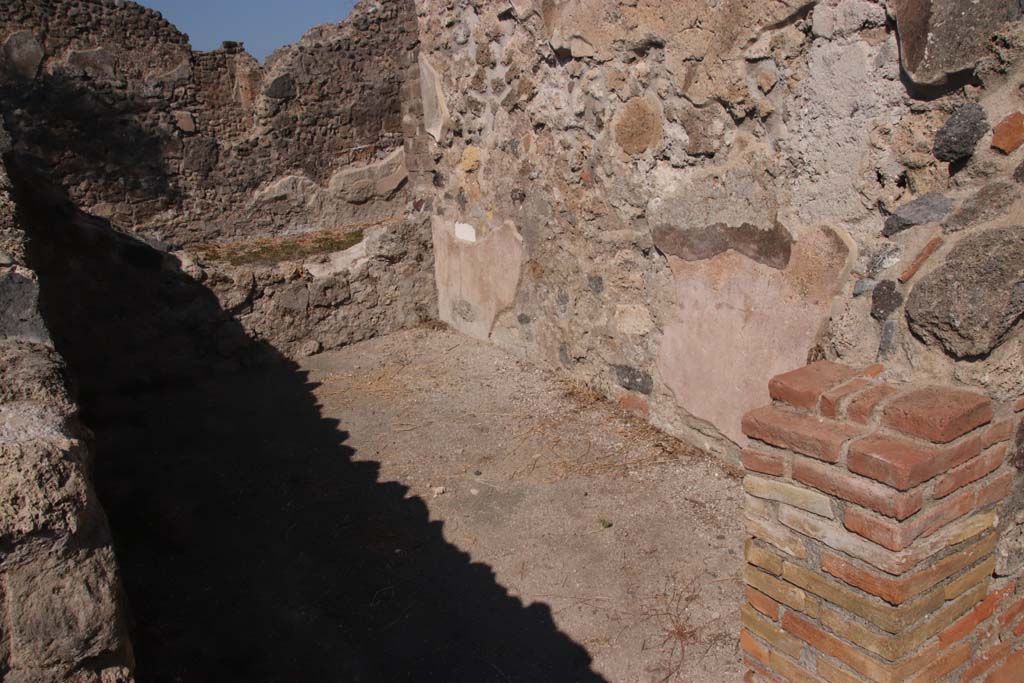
column 252, row 547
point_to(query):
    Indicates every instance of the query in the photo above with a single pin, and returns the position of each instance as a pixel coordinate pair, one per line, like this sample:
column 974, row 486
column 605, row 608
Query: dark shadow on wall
column 113, row 139
column 252, row 546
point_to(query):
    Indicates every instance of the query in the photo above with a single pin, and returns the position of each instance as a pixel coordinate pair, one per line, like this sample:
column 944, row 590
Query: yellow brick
column 790, row 671
column 777, row 535
column 788, row 594
column 772, row 489
column 833, row 674
column 764, row 559
column 758, row 507
column 974, row 577
column 769, row 632
column 835, row 536
column 895, row 647
column 883, row 615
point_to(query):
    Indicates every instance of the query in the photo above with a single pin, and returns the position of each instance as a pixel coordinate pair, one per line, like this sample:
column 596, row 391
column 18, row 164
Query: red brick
column 757, row 673
column 896, row 536
column 985, row 661
column 803, row 387
column 970, row 621
column 841, row 484
column 1020, row 405
column 1012, row 612
column 938, row 414
column 970, row 471
column 828, row 644
column 763, row 604
column 929, row 249
column 873, row 370
column 831, row 399
column 1010, row 672
column 1018, row 630
column 765, row 463
column 902, row 463
column 1008, row 134
column 897, row 590
column 754, row 647
column 1000, row 431
column 860, row 408
column 994, row 490
column 812, row 436
column 942, row 665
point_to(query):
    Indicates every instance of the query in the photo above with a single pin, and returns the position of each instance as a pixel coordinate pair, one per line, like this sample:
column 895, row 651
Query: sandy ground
column 632, row 538
column 421, row 507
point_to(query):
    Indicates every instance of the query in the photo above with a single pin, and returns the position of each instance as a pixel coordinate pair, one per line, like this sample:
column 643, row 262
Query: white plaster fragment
column 465, row 232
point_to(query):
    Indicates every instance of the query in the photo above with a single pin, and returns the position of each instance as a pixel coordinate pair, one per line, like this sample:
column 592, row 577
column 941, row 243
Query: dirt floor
column 420, row 507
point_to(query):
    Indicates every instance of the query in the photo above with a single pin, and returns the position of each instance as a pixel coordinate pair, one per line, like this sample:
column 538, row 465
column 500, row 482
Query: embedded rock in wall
column 939, row 38
column 738, row 320
column 976, row 298
column 21, row 55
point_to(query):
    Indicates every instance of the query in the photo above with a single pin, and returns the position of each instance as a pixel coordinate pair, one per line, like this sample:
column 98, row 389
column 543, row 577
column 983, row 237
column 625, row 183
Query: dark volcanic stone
column 1018, row 175
column 988, row 203
column 201, row 154
column 863, row 286
column 21, row 55
column 972, row 302
column 940, row 38
column 633, row 379
column 281, row 88
column 19, row 311
column 961, row 134
column 772, row 247
column 885, row 299
column 887, row 342
column 929, row 208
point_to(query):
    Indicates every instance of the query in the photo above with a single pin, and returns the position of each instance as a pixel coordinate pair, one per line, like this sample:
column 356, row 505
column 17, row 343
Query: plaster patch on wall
column 435, row 109
column 465, row 232
column 739, row 322
column 477, row 279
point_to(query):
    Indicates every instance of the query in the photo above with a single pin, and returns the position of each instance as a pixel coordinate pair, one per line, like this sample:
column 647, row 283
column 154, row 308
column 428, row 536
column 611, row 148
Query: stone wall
column 283, row 187
column 676, row 201
column 61, row 607
column 887, row 525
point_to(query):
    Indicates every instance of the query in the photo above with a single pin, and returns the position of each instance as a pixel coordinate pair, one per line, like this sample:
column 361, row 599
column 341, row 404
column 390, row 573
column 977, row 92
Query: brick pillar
column 873, row 510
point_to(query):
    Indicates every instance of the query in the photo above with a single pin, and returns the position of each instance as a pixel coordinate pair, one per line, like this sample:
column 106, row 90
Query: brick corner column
column 873, row 514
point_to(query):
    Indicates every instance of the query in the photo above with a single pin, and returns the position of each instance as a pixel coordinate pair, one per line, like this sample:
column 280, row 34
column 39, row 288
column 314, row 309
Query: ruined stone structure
column 247, row 176
column 671, row 201
column 684, row 199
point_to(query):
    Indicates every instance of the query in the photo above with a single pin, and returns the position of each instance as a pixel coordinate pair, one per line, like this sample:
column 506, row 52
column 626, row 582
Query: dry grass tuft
column 266, row 250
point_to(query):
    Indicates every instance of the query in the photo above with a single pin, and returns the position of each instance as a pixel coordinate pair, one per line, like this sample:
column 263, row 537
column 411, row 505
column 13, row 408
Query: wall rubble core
column 884, row 523
column 62, row 611
column 708, row 194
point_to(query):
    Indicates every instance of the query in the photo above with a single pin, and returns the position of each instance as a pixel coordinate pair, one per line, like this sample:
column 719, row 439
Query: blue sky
column 263, row 25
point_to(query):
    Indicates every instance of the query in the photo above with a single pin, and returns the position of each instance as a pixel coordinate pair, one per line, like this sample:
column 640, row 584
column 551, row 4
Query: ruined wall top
column 108, row 100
